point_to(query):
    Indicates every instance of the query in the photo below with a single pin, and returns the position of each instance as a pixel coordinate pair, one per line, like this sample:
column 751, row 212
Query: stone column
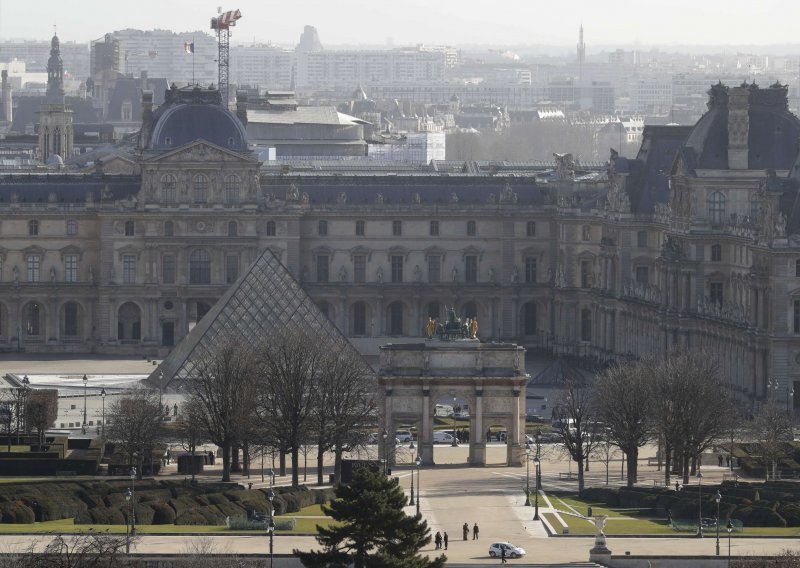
column 514, row 447
column 388, row 424
column 477, row 440
column 426, row 435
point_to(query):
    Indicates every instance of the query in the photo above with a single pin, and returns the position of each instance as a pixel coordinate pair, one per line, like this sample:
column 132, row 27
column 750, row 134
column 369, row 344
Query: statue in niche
column 53, row 274
column 430, row 327
column 292, row 194
column 16, row 274
column 342, row 274
column 91, row 274
column 515, row 275
column 454, row 274
column 416, row 198
column 417, row 273
column 379, row 275
column 780, row 226
column 473, row 328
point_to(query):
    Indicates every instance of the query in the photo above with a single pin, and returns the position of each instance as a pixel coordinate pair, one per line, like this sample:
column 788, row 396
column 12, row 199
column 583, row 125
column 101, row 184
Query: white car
column 512, row 550
column 404, row 435
column 374, row 438
column 442, row 437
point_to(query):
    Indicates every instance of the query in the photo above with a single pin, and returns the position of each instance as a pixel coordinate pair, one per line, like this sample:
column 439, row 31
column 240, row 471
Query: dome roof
column 771, row 136
column 192, row 114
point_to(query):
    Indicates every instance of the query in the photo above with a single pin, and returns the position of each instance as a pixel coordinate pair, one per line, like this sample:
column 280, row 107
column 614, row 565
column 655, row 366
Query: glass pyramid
column 266, row 299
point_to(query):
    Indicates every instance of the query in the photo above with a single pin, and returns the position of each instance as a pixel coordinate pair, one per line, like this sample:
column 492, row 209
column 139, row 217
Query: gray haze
column 677, row 23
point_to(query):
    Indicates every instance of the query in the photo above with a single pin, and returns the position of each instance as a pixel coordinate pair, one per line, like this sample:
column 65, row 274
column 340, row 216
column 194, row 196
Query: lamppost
column 536, row 462
column 538, row 438
column 718, row 498
column 83, row 426
column 133, row 501
column 385, row 452
column 271, row 525
column 699, row 503
column 23, row 402
column 412, row 447
column 527, row 474
column 127, row 522
column 455, row 441
column 729, row 528
column 103, row 398
column 418, row 461
column 789, row 399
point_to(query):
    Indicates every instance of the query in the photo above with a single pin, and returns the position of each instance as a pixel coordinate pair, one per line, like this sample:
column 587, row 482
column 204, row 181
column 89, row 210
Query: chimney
column 738, row 127
column 241, row 107
column 5, row 97
column 143, row 80
column 147, row 119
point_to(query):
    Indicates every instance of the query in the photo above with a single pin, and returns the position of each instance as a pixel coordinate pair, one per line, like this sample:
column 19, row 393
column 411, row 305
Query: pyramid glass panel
column 266, row 300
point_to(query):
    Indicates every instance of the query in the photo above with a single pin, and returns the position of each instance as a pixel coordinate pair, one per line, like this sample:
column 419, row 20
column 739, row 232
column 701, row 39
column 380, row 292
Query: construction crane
column 222, row 25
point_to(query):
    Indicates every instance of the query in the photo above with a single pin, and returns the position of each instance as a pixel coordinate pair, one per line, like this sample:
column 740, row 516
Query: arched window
column 586, row 324
column 200, row 267
column 396, row 318
column 129, row 322
column 33, row 319
column 529, row 319
column 33, row 228
column 200, row 192
column 70, row 321
column 169, row 229
column 360, row 318
column 716, row 208
column 270, row 228
column 232, row 189
column 470, row 310
column 168, row 186
column 233, row 229
column 434, row 310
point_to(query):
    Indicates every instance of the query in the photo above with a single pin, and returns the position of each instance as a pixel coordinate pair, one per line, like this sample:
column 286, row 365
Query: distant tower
column 55, row 117
column 581, row 53
column 5, row 98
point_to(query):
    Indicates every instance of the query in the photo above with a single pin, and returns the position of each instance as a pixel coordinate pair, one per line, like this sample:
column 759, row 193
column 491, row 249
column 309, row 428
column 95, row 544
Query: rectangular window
column 32, row 263
column 322, row 228
column 715, row 293
column 472, row 228
column 530, row 269
column 397, row 228
column 471, row 268
column 71, row 268
column 129, row 269
column 322, row 267
column 643, row 275
column 72, row 227
column 360, row 268
column 434, row 268
column 168, row 269
column 231, row 268
column 360, row 228
column 530, row 229
column 397, row 268
column 641, row 239
column 434, row 229
column 796, row 316
column 585, row 272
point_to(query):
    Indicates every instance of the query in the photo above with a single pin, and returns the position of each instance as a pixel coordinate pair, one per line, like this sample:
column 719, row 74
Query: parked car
column 442, row 437
column 512, row 550
column 404, row 435
column 374, row 438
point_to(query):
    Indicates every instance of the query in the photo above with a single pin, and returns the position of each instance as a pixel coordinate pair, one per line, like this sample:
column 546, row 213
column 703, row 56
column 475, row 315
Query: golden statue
column 473, row 328
column 430, row 327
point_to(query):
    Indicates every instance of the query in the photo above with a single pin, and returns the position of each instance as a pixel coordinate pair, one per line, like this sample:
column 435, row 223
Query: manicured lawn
column 310, row 511
column 582, row 505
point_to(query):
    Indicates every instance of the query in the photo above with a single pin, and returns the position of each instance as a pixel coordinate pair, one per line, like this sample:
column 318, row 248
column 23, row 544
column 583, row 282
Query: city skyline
column 348, row 22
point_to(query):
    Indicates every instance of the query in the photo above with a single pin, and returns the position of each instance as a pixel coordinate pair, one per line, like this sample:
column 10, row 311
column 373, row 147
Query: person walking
column 503, row 555
column 437, row 540
column 446, row 539
column 465, row 530
column 475, row 531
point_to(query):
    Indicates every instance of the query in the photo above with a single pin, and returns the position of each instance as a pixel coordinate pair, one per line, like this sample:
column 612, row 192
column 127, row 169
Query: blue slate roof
column 68, row 188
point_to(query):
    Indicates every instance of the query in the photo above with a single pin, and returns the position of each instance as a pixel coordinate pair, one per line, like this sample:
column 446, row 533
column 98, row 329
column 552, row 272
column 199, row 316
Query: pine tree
column 371, row 529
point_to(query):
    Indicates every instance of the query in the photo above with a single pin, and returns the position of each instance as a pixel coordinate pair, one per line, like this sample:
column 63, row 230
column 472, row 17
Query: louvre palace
column 692, row 244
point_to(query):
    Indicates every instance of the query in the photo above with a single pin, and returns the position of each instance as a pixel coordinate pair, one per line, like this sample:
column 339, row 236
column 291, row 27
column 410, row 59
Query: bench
column 569, row 476
column 653, row 461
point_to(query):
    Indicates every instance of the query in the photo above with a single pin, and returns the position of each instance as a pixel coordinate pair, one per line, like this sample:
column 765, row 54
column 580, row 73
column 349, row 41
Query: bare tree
column 345, row 404
column 191, row 431
column 86, row 550
column 624, row 400
column 772, row 429
column 135, row 425
column 291, row 365
column 41, row 411
column 223, row 387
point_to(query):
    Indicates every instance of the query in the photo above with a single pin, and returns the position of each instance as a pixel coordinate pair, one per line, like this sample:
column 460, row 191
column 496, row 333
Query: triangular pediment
column 204, row 152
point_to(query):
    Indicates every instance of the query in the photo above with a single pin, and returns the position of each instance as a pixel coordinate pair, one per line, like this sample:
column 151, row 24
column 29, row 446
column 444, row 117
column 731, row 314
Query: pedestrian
column 728, row 460
column 503, row 555
column 475, row 531
column 465, row 530
column 719, row 460
column 677, row 486
column 437, row 540
column 249, row 485
column 446, row 539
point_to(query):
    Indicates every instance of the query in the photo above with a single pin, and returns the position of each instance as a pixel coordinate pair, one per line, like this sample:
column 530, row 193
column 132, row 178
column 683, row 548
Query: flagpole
column 193, row 81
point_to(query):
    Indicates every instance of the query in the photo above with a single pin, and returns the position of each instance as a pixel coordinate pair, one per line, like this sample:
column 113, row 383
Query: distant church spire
column 55, row 73
column 581, row 52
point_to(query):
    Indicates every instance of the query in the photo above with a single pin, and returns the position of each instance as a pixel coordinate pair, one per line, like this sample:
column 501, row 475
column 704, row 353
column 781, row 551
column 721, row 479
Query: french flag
column 188, row 47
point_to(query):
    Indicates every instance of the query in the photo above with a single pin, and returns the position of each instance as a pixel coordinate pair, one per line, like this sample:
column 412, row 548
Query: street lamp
column 789, row 399
column 127, row 522
column 537, row 463
column 103, row 398
column 718, row 498
column 729, row 528
column 23, row 401
column 699, row 503
column 385, row 452
column 418, row 461
column 412, row 447
column 133, row 501
column 83, row 426
column 455, row 442
column 527, row 474
column 271, row 525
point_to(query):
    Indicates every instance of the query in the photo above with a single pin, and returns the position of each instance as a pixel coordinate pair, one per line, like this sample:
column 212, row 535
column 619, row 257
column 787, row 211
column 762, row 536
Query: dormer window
column 168, row 140
column 230, row 142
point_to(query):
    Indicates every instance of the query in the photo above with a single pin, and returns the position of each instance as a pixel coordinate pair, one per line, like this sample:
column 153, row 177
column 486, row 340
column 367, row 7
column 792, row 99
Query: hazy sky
column 453, row 22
